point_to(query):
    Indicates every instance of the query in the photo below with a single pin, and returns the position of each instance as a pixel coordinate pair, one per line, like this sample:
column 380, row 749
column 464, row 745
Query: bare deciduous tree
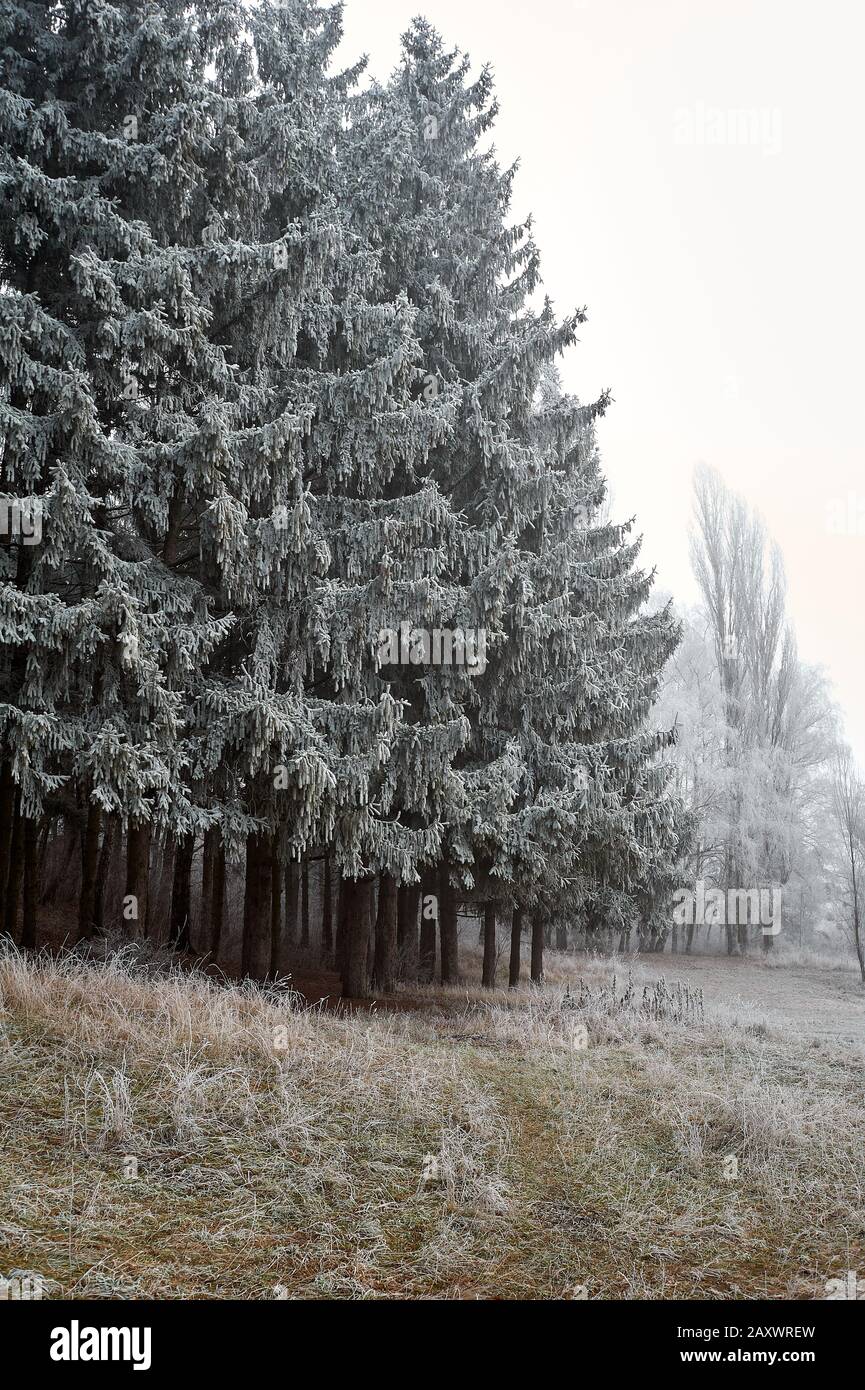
column 848, row 805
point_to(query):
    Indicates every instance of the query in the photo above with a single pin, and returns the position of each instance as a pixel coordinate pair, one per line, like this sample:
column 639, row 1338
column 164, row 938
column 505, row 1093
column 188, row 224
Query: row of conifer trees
column 276, row 382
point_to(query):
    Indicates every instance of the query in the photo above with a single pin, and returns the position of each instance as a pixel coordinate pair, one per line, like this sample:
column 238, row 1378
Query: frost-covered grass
column 462, row 1147
column 828, row 955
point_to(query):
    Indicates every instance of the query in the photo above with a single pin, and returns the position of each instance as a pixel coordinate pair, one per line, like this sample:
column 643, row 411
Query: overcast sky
column 695, row 172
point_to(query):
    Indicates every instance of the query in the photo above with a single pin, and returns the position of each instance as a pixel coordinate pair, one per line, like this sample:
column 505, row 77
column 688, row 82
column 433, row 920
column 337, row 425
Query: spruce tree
column 313, row 527
column 272, row 371
column 105, row 375
column 562, row 788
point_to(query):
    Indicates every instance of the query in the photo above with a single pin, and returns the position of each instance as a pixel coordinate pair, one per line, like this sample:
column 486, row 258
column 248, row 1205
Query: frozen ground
column 815, row 1001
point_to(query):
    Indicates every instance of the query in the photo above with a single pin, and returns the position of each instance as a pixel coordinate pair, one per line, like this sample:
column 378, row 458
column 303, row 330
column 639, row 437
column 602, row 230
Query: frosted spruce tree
column 296, row 509
column 565, row 806
column 373, row 788
column 104, row 361
column 272, row 370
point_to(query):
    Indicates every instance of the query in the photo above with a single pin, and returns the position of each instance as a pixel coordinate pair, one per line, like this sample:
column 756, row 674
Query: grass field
column 167, row 1135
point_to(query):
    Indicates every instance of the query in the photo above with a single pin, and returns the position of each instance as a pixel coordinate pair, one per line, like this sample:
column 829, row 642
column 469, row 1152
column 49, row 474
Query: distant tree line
column 772, row 795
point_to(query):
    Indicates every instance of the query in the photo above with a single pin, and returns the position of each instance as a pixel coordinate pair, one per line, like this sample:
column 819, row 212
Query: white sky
column 723, row 281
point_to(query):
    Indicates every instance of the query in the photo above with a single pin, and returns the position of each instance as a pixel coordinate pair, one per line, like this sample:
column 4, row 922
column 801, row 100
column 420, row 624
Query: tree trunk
column 857, row 929
column 42, row 853
column 217, row 901
column 251, row 906
column 292, row 886
column 448, row 928
column 63, row 859
column 356, row 902
column 384, row 961
column 181, row 894
column 159, row 907
column 429, row 915
column 104, row 879
column 11, row 828
column 304, row 904
column 29, row 930
column 89, row 873
column 326, row 912
column 343, row 917
column 857, row 916
column 137, row 876
column 408, row 903
column 276, row 881
column 489, row 970
column 208, row 852
column 561, row 938
column 370, row 942
column 537, row 948
column 255, row 951
column 516, row 947
column 15, row 875
column 8, row 795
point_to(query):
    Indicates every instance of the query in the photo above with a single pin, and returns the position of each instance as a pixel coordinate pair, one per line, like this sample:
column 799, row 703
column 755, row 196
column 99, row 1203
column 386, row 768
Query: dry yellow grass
column 463, row 1149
